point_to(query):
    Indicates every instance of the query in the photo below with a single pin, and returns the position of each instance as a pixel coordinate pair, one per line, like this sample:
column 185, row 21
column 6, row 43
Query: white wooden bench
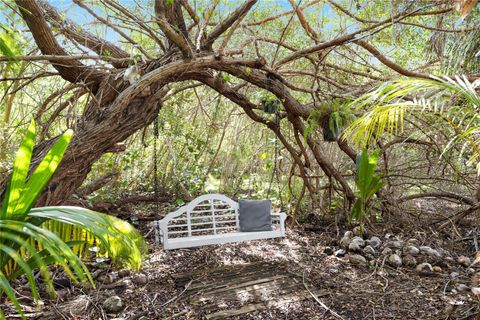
column 209, row 219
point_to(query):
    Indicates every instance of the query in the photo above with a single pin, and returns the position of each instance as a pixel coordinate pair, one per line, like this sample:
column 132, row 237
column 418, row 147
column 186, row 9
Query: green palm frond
column 454, row 101
column 123, row 243
column 462, row 53
column 33, row 239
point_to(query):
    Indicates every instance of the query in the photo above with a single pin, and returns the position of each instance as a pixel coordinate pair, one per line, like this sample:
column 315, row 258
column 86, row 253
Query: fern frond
column 453, row 101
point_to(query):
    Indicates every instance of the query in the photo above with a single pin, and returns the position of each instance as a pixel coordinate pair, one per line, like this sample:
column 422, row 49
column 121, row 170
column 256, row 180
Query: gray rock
column 454, row 275
column 359, row 240
column 113, row 304
column 424, row 249
column 345, row 242
column 375, row 242
column 356, row 244
column 340, row 253
column 357, row 259
column 460, row 287
column 424, row 268
column 464, row 261
column 394, row 260
column 369, row 257
column 354, row 247
column 348, row 234
column 108, row 278
column 411, row 250
column 475, row 291
column 123, row 273
column 369, row 250
column 409, row 261
column 140, row 279
column 470, row 270
column 76, row 307
column 449, row 259
column 430, row 252
column 386, row 251
column 443, row 252
column 394, row 244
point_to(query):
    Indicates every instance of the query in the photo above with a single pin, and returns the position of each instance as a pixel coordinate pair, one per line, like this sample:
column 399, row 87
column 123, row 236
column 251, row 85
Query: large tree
column 295, row 63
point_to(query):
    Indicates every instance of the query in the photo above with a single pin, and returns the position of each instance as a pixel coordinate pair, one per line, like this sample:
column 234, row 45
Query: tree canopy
column 282, row 73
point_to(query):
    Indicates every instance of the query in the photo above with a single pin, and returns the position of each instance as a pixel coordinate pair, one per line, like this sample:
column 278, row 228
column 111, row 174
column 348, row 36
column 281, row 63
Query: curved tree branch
column 389, row 63
column 73, row 71
column 170, row 20
column 227, row 23
column 71, row 30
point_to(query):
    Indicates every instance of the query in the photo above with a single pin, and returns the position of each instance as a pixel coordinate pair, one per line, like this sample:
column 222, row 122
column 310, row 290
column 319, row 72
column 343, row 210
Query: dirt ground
column 377, row 291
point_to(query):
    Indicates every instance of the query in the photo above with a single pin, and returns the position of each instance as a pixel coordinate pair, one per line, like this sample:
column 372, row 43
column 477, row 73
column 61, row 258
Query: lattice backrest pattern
column 206, row 215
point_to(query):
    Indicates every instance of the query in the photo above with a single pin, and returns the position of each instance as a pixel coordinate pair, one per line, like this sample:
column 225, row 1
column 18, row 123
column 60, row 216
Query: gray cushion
column 255, row 215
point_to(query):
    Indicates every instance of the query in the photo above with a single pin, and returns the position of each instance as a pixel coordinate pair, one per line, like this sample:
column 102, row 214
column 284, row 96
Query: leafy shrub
column 35, row 238
column 367, row 182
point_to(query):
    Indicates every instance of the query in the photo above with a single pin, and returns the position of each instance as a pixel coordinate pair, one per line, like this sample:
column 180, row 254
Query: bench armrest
column 282, row 216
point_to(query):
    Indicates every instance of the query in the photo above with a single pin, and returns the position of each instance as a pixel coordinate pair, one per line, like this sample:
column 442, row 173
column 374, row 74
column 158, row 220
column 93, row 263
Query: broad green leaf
column 21, row 166
column 42, row 174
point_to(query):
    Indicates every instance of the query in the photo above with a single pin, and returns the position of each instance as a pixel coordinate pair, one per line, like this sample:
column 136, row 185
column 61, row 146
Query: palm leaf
column 42, row 174
column 8, row 290
column 57, row 248
column 19, row 173
column 26, row 243
column 453, row 101
column 123, row 243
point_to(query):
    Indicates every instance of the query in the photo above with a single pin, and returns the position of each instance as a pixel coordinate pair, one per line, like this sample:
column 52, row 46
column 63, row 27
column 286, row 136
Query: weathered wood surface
column 238, row 289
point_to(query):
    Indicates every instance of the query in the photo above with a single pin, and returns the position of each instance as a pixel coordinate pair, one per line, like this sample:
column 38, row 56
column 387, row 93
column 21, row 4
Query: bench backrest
column 205, row 215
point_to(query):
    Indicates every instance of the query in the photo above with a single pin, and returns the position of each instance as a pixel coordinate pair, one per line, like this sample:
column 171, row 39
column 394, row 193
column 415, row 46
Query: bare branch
column 141, row 23
column 167, row 17
column 73, row 72
column 355, row 35
column 64, row 58
column 120, row 32
column 306, row 26
column 87, row 39
column 389, row 63
column 286, row 13
column 227, row 23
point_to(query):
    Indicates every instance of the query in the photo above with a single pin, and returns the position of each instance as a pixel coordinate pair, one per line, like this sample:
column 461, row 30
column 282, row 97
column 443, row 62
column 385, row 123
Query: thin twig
column 177, row 296
column 318, row 300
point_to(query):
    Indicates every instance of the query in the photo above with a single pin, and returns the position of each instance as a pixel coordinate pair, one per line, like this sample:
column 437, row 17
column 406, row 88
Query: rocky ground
column 367, row 276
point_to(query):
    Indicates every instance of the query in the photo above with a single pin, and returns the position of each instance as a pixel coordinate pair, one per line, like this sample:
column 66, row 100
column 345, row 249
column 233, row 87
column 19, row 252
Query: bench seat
column 197, row 241
column 209, row 219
